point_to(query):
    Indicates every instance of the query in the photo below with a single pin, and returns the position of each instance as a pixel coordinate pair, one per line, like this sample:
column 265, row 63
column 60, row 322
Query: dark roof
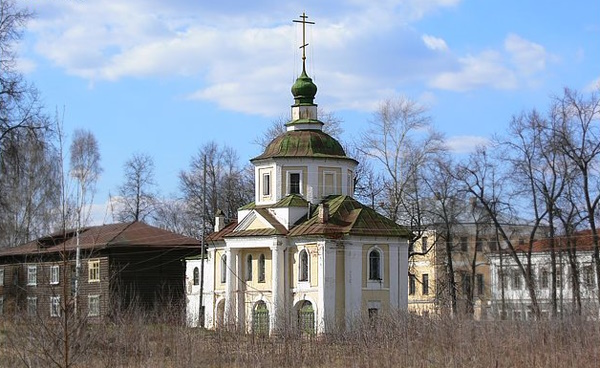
column 304, row 143
column 347, row 216
column 581, row 240
column 129, row 234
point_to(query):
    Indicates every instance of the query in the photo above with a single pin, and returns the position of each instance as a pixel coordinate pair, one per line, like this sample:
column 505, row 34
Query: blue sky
column 164, row 77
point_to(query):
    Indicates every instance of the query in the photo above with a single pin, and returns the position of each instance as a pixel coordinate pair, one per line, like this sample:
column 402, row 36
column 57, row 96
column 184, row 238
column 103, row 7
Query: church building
column 304, row 255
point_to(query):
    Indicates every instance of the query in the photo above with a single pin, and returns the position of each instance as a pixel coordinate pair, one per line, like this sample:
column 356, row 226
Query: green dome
column 304, row 143
column 304, row 90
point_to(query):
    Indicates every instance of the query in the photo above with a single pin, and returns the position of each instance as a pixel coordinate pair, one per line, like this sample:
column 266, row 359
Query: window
column 424, row 244
column 375, row 265
column 94, row 271
column 493, row 244
column 294, row 183
column 306, row 318
column 588, row 276
column 54, row 274
column 1, row 305
column 249, row 267
column 1, row 276
column 223, row 269
column 55, row 306
column 31, row 306
column 266, row 187
column 479, row 284
column 412, row 285
column 373, row 314
column 463, row 243
column 196, row 276
column 93, row 305
column 261, row 268
column 303, row 266
column 516, row 279
column 466, row 284
column 328, row 183
column 425, row 284
column 32, row 275
column 544, row 279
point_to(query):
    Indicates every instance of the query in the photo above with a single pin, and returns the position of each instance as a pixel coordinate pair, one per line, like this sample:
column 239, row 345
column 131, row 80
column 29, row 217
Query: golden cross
column 304, row 44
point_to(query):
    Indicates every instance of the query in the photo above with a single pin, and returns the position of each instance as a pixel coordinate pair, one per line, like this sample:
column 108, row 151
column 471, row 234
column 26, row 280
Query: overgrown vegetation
column 394, row 341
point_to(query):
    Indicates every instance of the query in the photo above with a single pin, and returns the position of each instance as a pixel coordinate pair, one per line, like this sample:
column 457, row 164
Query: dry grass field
column 396, row 341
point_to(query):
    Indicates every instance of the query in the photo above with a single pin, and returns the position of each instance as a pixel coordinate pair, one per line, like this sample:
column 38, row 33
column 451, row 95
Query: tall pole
column 202, row 250
column 78, row 248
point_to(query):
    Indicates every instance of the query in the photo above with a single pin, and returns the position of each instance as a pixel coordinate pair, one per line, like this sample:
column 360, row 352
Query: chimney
column 219, row 221
column 323, row 213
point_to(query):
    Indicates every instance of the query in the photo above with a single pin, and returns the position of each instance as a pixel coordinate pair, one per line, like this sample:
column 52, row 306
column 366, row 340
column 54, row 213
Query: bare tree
column 137, row 196
column 86, row 169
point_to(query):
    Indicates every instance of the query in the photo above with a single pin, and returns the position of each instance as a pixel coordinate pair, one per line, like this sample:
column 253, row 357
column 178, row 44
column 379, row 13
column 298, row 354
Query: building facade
column 305, row 255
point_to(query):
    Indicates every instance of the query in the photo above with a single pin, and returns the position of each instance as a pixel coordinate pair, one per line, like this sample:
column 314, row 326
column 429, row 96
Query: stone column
column 230, row 283
column 277, row 283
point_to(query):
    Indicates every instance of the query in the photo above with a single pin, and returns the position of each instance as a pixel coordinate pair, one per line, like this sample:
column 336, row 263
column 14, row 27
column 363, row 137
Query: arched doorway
column 260, row 318
column 220, row 322
column 306, row 318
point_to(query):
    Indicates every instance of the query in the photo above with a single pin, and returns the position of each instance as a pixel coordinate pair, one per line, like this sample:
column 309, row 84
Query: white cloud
column 434, row 43
column 465, row 143
column 593, row 86
column 526, row 56
column 483, row 70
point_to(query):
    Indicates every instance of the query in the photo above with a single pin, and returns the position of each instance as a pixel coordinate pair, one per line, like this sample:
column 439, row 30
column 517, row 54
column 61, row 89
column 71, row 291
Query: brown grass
column 399, row 340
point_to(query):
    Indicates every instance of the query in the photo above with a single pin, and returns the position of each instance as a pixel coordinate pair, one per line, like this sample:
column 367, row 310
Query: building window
column 373, row 314
column 544, row 279
column 223, row 269
column 31, row 275
column 31, row 306
column 493, row 244
column 260, row 319
column 54, row 274
column 1, row 276
column 196, row 276
column 294, row 183
column 266, row 187
column 55, row 306
column 425, row 284
column 463, row 243
column 1, row 305
column 94, row 271
column 375, row 265
column 249, row 267
column 588, row 276
column 261, row 268
column 303, row 270
column 412, row 285
column 480, row 285
column 424, row 244
column 466, row 283
column 93, row 305
column 516, row 279
column 306, row 318
column 329, row 183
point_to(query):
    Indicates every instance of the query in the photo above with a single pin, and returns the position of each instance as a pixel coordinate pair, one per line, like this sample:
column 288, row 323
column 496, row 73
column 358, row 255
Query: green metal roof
column 304, row 90
column 292, row 200
column 304, row 143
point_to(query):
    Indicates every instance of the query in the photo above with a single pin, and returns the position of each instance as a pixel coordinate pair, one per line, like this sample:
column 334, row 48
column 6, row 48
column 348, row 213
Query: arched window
column 303, row 266
column 249, row 267
column 261, row 268
column 196, row 276
column 223, row 268
column 375, row 265
column 260, row 319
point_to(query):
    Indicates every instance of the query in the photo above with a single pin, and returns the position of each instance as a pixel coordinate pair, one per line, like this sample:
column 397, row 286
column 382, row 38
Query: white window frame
column 300, row 264
column 288, row 181
column 31, row 275
column 54, row 274
column 378, row 283
column 1, row 276
column 94, row 270
column 31, row 306
column 266, row 184
column 223, row 268
column 55, row 306
column 93, row 305
column 334, row 186
column 1, row 305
